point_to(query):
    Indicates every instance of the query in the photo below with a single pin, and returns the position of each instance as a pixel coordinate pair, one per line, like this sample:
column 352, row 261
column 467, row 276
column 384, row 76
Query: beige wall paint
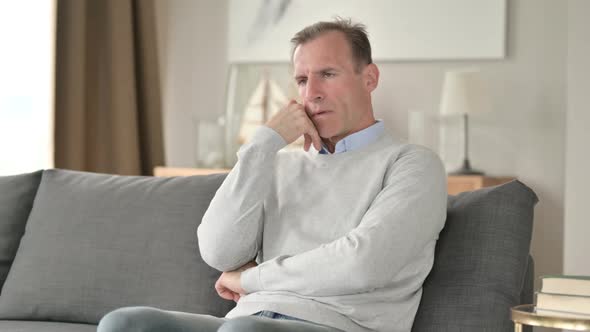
column 577, row 176
column 192, row 35
column 523, row 137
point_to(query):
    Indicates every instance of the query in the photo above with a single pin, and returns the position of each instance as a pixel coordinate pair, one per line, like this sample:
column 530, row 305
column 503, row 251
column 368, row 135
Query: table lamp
column 463, row 94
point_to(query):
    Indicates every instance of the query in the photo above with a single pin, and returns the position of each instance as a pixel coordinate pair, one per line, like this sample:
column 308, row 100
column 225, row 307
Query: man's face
column 336, row 95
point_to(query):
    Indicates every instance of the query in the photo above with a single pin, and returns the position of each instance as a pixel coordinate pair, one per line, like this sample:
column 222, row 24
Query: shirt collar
column 357, row 140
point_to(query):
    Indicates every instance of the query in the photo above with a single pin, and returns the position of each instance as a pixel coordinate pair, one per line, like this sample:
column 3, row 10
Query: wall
column 524, row 136
column 192, row 35
column 577, row 179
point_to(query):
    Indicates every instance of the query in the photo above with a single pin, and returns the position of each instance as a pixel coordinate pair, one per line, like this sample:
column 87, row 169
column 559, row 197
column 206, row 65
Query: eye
column 301, row 81
column 328, row 74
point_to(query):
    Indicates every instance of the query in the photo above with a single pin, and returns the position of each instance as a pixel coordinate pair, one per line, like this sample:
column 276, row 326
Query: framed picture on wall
column 260, row 30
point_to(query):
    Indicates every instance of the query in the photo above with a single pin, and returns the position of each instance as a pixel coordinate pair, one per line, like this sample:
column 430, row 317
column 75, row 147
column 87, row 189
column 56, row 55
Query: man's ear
column 371, row 76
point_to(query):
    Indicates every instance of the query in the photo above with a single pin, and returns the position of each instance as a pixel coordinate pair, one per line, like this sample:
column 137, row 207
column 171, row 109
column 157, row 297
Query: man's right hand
column 291, row 122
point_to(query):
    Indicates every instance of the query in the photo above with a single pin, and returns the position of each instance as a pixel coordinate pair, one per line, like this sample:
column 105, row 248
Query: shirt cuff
column 250, row 280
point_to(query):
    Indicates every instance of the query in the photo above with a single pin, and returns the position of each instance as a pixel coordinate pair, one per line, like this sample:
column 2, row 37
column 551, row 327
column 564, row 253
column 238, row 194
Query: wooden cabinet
column 455, row 183
column 460, row 183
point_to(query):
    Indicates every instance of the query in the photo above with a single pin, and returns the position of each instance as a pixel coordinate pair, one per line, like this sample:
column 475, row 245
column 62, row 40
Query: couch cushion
column 480, row 261
column 96, row 242
column 30, row 326
column 17, row 193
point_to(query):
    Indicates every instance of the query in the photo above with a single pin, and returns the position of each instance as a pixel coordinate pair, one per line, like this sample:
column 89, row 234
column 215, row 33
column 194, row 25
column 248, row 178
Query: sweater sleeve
column 231, row 229
column 402, row 220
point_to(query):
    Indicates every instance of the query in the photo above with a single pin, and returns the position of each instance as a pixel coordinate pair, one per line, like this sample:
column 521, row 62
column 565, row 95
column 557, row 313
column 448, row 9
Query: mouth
column 320, row 114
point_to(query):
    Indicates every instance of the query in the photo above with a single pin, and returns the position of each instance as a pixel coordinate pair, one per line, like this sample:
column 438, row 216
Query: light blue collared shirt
column 357, row 140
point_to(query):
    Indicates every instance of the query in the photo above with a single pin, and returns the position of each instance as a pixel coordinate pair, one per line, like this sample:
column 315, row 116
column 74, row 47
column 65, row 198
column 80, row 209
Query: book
column 574, row 304
column 559, row 313
column 566, row 284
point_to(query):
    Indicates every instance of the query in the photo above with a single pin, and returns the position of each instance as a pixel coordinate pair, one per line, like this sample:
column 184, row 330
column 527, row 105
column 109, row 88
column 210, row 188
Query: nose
column 313, row 91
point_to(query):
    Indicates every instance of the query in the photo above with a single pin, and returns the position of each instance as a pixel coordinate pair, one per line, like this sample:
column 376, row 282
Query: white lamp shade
column 464, row 92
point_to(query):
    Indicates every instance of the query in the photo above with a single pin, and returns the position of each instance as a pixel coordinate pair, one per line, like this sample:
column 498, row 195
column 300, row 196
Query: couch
column 76, row 245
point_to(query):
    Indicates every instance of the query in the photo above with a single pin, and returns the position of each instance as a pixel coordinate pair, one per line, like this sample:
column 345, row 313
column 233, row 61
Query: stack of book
column 564, row 296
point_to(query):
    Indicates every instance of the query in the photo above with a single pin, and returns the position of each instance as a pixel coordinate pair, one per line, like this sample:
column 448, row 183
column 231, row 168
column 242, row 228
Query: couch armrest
column 527, row 291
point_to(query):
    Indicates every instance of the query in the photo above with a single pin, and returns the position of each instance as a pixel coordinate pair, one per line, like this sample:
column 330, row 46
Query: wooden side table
column 460, row 183
column 526, row 314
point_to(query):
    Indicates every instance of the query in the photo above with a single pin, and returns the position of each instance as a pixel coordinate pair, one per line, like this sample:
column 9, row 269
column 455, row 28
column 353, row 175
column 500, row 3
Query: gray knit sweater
column 345, row 240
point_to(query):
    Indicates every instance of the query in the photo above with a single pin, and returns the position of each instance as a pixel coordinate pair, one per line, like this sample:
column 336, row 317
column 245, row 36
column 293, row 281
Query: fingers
column 293, row 105
column 311, row 138
column 317, row 141
column 225, row 293
column 292, row 122
column 307, row 142
column 311, row 134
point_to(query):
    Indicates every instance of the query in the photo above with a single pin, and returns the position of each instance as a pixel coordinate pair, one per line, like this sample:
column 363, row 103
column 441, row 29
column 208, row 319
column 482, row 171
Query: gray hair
column 355, row 34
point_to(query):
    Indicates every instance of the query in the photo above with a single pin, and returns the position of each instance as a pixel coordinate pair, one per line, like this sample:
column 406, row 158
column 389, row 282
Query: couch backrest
column 96, row 242
column 17, row 193
column 482, row 265
column 481, row 260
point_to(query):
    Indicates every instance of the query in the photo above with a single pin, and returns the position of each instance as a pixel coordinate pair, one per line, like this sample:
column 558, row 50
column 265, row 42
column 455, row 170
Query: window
column 27, row 34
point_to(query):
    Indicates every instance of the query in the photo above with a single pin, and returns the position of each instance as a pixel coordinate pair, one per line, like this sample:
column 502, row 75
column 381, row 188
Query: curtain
column 108, row 115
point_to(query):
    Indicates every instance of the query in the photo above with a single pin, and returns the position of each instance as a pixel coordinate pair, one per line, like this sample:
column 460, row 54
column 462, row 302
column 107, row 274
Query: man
column 338, row 237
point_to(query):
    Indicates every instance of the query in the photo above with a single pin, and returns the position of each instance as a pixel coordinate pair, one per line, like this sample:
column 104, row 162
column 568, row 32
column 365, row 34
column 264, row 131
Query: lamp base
column 466, row 170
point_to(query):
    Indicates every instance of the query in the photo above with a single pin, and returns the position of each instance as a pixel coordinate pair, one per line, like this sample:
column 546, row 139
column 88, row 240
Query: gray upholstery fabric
column 17, row 193
column 96, row 242
column 480, row 262
column 29, row 326
column 526, row 295
column 527, row 292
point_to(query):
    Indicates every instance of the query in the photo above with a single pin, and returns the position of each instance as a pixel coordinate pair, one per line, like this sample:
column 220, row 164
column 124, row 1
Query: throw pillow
column 480, row 261
column 97, row 242
column 17, row 193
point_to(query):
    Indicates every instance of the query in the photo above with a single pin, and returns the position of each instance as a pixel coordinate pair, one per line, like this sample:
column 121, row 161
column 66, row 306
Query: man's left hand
column 229, row 286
